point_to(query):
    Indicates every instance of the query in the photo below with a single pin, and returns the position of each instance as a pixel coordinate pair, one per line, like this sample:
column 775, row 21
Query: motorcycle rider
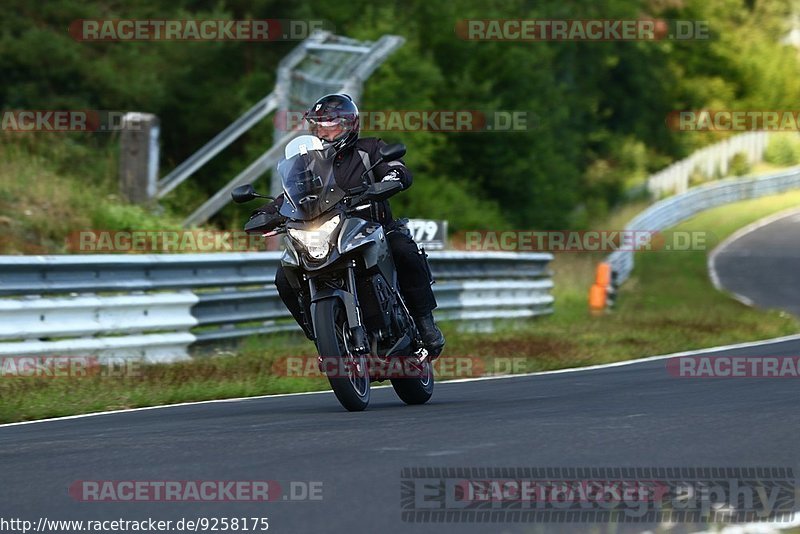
column 334, row 119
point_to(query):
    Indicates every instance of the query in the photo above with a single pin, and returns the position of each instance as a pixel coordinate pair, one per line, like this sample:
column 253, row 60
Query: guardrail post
column 138, row 158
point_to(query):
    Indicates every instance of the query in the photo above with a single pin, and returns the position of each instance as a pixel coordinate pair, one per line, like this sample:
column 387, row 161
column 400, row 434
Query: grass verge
column 668, row 305
column 43, row 204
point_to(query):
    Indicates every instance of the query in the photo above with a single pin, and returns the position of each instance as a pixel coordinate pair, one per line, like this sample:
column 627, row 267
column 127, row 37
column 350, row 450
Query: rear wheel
column 347, row 372
column 416, row 390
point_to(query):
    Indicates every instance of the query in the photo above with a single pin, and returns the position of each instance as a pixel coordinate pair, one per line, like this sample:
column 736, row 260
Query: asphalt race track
column 763, row 266
column 633, row 415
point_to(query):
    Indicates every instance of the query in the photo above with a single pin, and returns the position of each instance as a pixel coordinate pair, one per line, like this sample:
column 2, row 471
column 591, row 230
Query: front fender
column 347, row 298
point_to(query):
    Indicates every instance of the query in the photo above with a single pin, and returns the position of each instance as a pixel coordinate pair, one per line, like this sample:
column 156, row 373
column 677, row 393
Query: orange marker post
column 598, row 294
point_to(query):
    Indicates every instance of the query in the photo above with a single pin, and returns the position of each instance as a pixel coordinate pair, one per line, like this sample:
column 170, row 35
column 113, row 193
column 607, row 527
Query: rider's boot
column 432, row 337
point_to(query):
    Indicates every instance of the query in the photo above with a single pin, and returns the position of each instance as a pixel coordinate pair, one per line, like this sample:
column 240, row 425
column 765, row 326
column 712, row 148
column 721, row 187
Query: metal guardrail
column 46, row 275
column 89, row 315
column 150, row 327
column 154, row 307
column 671, row 211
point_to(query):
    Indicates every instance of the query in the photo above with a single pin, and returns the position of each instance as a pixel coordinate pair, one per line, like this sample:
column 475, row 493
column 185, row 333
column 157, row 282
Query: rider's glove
column 393, row 176
column 270, row 209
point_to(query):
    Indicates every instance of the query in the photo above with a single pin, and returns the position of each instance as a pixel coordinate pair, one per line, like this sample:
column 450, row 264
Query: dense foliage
column 601, row 106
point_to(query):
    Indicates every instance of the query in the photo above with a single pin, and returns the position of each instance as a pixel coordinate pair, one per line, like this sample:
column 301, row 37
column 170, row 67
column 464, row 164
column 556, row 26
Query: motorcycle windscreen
column 309, row 186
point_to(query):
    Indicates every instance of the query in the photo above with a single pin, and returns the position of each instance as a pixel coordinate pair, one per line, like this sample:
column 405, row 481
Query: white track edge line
column 746, row 344
column 738, row 234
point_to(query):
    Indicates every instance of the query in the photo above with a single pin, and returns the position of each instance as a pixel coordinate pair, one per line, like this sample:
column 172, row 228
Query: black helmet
column 332, row 110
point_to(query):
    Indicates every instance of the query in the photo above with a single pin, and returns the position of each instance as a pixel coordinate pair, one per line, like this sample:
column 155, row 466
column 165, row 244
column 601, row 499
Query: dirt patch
column 676, row 324
column 535, row 346
column 632, row 341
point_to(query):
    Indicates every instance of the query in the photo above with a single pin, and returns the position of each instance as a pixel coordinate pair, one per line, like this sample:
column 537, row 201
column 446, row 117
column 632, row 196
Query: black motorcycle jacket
column 349, row 165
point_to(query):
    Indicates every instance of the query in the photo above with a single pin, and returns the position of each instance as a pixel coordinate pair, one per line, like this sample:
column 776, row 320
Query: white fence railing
column 709, row 160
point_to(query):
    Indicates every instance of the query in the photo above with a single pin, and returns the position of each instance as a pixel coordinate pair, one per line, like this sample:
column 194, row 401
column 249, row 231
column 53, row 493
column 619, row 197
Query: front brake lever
column 353, row 202
column 277, row 231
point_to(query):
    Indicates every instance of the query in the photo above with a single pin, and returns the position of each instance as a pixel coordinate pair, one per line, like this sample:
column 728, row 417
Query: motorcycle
column 342, row 268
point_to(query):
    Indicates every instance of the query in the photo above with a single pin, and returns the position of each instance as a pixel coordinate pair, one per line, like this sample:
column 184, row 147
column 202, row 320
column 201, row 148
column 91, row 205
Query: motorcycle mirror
column 393, row 152
column 246, row 193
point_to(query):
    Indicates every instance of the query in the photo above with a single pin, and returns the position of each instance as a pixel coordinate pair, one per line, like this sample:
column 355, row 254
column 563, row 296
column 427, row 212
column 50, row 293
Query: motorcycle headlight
column 316, row 242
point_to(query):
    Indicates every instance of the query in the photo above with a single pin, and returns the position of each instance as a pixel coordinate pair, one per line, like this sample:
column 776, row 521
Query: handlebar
column 356, row 196
column 262, row 220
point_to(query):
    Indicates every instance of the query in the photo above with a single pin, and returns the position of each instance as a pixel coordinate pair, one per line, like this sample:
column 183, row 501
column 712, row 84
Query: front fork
column 357, row 330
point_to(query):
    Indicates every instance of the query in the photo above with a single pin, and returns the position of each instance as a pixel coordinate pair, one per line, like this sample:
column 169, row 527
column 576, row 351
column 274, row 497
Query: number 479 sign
column 429, row 234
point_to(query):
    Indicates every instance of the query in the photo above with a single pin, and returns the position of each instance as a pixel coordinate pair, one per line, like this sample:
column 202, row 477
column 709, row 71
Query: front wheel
column 347, row 372
column 416, row 390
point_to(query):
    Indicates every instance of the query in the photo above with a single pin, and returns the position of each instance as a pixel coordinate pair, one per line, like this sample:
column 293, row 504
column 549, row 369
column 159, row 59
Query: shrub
column 783, row 150
column 739, row 165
